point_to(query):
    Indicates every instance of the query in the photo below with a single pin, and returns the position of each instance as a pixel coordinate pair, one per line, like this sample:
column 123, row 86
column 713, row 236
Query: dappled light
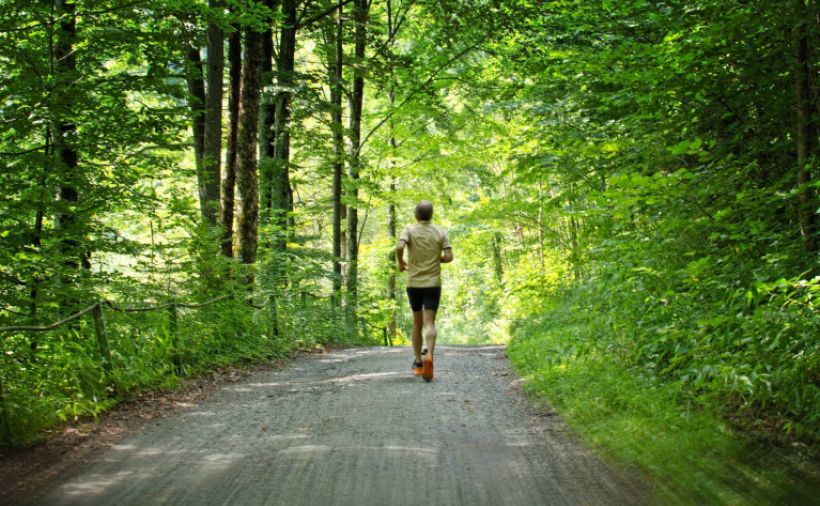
column 256, row 201
column 476, row 442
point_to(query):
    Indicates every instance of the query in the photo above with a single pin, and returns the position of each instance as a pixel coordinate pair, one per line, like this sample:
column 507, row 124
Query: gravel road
column 354, row 427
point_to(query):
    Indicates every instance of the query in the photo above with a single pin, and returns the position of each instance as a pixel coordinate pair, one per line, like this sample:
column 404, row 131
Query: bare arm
column 447, row 256
column 400, row 255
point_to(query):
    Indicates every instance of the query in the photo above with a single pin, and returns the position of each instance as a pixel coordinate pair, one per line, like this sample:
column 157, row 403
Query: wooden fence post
column 102, row 336
column 172, row 331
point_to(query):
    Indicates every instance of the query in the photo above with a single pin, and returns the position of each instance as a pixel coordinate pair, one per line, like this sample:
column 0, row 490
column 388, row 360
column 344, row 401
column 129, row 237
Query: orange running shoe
column 417, row 367
column 427, row 370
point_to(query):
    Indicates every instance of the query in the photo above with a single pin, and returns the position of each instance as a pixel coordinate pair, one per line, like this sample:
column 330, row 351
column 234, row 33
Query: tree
column 267, row 132
column 229, row 182
column 246, row 143
column 194, row 76
column 335, row 56
column 360, row 15
column 65, row 69
column 281, row 193
column 210, row 165
column 392, row 292
column 805, row 118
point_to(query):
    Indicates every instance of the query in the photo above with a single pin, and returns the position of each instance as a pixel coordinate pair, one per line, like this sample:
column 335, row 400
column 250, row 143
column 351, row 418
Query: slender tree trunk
column 267, row 134
column 804, row 138
column 335, row 67
column 65, row 69
column 196, row 89
column 37, row 232
column 36, row 237
column 575, row 257
column 392, row 292
column 356, row 101
column 540, row 226
column 498, row 263
column 278, row 154
column 229, row 183
column 248, row 128
column 391, row 206
column 280, row 182
column 212, row 136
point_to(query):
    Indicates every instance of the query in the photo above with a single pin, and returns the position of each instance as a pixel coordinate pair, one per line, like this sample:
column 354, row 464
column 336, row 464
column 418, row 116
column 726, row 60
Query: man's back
column 425, row 243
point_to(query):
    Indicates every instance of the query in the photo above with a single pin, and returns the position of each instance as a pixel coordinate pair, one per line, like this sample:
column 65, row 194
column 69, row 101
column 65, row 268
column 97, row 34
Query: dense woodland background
column 630, row 183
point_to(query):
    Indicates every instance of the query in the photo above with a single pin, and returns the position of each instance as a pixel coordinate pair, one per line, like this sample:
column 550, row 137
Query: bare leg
column 418, row 321
column 429, row 330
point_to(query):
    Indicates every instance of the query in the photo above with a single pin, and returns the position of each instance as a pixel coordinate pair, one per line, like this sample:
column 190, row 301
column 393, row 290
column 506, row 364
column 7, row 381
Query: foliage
column 572, row 357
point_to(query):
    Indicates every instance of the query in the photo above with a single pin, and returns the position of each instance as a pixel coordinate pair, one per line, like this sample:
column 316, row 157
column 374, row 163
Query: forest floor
column 348, row 427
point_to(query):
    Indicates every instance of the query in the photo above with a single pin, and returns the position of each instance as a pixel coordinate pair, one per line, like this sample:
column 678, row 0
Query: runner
column 428, row 247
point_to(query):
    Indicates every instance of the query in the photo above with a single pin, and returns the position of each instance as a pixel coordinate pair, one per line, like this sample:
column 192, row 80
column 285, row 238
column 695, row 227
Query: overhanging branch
column 417, row 91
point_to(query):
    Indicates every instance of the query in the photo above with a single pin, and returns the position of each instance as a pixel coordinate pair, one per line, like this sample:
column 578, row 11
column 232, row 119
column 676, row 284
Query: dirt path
column 354, row 427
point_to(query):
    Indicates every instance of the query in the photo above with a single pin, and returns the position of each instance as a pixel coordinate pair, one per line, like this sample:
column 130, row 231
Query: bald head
column 424, row 210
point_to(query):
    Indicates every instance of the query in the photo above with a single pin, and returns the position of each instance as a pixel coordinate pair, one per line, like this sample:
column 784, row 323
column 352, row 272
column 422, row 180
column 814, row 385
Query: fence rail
column 114, row 307
column 98, row 310
column 52, row 326
column 101, row 333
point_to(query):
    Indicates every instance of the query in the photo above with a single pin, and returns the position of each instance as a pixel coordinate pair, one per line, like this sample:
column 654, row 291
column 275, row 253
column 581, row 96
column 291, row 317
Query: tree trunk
column 65, row 69
column 575, row 254
column 540, row 227
column 212, row 136
column 280, row 182
column 247, row 178
column 229, row 183
column 335, row 67
column 498, row 263
column 196, row 89
column 267, row 135
column 804, row 138
column 37, row 232
column 392, row 294
column 356, row 102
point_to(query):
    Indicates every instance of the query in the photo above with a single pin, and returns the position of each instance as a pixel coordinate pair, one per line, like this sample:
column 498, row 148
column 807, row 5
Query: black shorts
column 428, row 297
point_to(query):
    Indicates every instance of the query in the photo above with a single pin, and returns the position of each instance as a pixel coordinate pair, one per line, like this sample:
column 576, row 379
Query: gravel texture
column 354, row 427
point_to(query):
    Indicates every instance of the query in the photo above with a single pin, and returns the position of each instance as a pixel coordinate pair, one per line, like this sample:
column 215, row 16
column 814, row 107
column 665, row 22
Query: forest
column 630, row 189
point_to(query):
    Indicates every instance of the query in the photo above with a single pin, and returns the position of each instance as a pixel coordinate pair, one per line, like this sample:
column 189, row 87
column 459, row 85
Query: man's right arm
column 400, row 255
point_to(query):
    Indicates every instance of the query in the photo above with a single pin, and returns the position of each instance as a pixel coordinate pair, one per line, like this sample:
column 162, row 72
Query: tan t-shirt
column 425, row 243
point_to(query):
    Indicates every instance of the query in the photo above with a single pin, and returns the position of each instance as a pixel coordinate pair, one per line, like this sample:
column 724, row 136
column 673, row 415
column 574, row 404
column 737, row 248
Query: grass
column 688, row 453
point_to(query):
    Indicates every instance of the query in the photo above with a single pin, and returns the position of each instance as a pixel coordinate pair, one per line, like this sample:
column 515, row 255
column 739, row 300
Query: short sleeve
column 405, row 235
column 445, row 241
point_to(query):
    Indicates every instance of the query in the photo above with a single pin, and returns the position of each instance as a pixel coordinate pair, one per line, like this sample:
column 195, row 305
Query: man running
column 428, row 248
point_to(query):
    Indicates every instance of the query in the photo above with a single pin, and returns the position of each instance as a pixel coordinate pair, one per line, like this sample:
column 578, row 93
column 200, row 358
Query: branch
column 24, row 152
column 401, row 17
column 13, row 279
column 321, row 15
column 416, row 92
column 115, row 8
